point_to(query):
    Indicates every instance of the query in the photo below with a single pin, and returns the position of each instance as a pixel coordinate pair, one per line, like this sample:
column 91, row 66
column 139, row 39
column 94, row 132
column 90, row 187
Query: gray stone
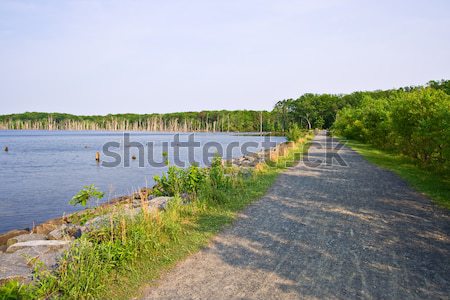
column 159, row 203
column 10, row 234
column 74, row 231
column 49, row 244
column 19, row 264
column 59, row 233
column 13, row 267
column 96, row 223
column 25, row 238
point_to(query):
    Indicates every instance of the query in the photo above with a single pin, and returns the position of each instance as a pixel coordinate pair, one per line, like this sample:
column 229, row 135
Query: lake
column 42, row 170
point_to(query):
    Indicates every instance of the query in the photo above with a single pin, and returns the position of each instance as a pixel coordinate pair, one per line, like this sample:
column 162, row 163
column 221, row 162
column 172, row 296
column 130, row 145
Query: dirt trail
column 324, row 232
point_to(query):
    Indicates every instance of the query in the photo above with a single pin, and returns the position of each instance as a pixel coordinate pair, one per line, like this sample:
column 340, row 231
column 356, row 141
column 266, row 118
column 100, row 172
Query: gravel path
column 329, row 231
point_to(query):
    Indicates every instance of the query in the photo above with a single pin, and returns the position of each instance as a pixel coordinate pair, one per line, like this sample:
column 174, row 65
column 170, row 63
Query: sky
column 100, row 57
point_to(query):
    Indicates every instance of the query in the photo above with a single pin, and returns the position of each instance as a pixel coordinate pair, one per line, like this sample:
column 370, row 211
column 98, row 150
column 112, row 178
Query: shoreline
column 244, row 133
column 251, row 160
column 136, row 218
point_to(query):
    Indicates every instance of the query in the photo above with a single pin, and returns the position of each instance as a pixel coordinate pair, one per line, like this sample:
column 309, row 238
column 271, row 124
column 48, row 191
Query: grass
column 435, row 185
column 116, row 261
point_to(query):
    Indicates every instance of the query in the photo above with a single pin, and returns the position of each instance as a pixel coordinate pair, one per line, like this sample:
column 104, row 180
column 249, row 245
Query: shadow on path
column 325, row 232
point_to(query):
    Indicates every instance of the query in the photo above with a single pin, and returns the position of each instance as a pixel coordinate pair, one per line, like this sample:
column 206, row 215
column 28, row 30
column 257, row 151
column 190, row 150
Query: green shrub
column 294, row 133
column 414, row 123
column 170, row 183
column 85, row 195
column 190, row 181
column 194, row 178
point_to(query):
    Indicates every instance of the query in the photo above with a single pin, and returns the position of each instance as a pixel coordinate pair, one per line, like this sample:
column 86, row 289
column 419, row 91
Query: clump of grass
column 114, row 261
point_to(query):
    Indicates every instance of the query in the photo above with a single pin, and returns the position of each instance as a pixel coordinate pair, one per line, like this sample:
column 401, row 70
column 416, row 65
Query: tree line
column 208, row 121
column 411, row 121
column 414, row 120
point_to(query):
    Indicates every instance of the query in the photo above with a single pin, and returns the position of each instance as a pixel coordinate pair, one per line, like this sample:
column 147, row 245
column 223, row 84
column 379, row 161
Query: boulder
column 45, row 228
column 74, row 231
column 50, row 225
column 159, row 203
column 96, row 223
column 13, row 267
column 59, row 233
column 10, row 234
column 48, row 244
column 19, row 264
column 25, row 238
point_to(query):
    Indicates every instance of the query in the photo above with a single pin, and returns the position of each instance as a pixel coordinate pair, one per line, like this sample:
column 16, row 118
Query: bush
column 414, row 123
column 191, row 181
column 85, row 195
column 294, row 133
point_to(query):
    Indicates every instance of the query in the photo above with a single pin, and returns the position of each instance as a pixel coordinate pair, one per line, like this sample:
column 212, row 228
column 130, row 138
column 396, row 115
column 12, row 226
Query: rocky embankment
column 22, row 250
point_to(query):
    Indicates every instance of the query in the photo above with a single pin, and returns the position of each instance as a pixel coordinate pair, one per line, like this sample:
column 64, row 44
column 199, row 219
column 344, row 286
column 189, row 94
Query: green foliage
column 307, row 111
column 294, row 133
column 85, row 195
column 13, row 290
column 221, row 120
column 217, row 177
column 170, row 184
column 190, row 181
column 414, row 123
column 194, row 178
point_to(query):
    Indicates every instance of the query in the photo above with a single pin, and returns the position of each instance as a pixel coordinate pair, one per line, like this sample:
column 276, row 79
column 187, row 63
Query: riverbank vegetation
column 412, row 123
column 204, row 121
column 113, row 261
column 307, row 111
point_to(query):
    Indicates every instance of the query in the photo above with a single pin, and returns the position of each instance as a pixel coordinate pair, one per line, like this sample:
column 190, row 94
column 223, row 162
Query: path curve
column 331, row 232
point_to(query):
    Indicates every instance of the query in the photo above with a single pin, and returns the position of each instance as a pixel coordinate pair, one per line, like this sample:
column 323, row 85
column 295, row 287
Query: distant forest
column 308, row 111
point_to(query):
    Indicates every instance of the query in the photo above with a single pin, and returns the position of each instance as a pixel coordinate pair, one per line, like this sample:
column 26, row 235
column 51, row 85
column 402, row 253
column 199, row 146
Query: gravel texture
column 330, row 231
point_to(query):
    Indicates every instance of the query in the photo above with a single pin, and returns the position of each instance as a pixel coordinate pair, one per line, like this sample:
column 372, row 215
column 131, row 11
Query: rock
column 45, row 228
column 249, row 158
column 246, row 163
column 19, row 265
column 57, row 221
column 133, row 212
column 136, row 203
column 59, row 233
column 159, row 203
column 48, row 256
column 25, row 238
column 14, row 267
column 96, row 223
column 50, row 225
column 74, row 231
column 49, row 244
column 10, row 234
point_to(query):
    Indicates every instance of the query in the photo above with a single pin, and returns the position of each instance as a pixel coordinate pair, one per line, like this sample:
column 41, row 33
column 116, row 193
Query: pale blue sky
column 96, row 57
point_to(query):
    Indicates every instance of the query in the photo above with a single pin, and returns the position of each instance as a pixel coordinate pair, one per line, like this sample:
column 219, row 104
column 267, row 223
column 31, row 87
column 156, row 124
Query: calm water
column 43, row 169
